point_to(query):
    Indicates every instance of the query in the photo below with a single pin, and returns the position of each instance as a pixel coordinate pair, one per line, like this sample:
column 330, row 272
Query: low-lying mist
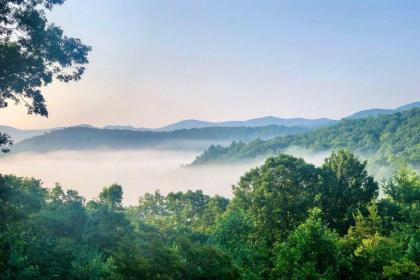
column 138, row 171
column 141, row 171
column 380, row 172
column 316, row 158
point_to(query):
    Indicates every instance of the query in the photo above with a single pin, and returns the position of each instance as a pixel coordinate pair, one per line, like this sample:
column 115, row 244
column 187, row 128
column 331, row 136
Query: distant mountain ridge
column 271, row 120
column 87, row 138
column 127, row 127
column 377, row 112
column 386, row 139
column 264, row 121
column 20, row 134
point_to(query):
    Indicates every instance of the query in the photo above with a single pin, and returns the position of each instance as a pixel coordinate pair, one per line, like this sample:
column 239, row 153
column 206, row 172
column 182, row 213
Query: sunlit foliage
column 287, row 220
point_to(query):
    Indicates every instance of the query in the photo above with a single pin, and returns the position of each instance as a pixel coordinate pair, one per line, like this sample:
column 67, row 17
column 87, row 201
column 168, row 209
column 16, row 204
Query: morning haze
column 157, row 62
column 204, row 140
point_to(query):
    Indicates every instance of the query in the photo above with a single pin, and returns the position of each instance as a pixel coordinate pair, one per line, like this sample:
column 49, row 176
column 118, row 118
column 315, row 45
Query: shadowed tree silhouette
column 34, row 53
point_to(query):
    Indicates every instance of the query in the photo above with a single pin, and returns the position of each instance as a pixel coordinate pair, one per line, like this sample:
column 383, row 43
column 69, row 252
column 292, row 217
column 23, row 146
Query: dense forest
column 384, row 139
column 287, row 219
column 82, row 138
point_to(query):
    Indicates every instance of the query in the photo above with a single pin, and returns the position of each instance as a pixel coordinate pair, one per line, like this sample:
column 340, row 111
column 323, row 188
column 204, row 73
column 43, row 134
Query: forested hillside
column 377, row 112
column 19, row 134
column 287, row 220
column 83, row 138
column 385, row 139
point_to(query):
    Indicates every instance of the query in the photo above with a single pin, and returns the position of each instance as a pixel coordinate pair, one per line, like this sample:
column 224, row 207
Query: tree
column 5, row 143
column 112, row 196
column 346, row 188
column 192, row 209
column 233, row 234
column 404, row 188
column 275, row 198
column 265, row 232
column 402, row 271
column 312, row 251
column 400, row 213
column 374, row 254
column 277, row 195
column 206, row 262
column 34, row 53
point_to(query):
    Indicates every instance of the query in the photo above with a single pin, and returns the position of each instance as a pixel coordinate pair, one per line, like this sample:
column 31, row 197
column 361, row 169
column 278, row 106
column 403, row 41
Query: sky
column 155, row 62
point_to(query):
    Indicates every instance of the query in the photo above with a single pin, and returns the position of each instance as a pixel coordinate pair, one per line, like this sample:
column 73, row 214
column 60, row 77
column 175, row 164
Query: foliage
column 80, row 138
column 406, row 270
column 33, row 53
column 385, row 139
column 345, row 190
column 56, row 234
column 312, row 251
column 279, row 224
column 5, row 143
column 276, row 196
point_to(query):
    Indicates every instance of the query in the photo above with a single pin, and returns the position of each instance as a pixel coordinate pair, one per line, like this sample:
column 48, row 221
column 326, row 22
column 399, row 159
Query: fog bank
column 138, row 171
column 141, row 171
column 316, row 158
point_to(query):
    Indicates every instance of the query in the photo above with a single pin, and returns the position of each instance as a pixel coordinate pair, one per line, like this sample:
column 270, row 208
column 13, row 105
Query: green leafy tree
column 233, row 234
column 33, row 53
column 268, row 230
column 376, row 253
column 19, row 199
column 312, row 251
column 373, row 254
column 400, row 213
column 277, row 196
column 206, row 262
column 112, row 196
column 404, row 187
column 190, row 209
column 346, row 189
column 406, row 270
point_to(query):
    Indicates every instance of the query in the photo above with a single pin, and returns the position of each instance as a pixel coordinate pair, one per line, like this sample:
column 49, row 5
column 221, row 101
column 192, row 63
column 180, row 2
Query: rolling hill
column 19, row 134
column 83, row 138
column 270, row 120
column 264, row 121
column 377, row 112
column 385, row 138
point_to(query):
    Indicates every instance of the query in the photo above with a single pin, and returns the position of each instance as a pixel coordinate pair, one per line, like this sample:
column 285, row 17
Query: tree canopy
column 279, row 224
column 287, row 219
column 34, row 53
column 386, row 139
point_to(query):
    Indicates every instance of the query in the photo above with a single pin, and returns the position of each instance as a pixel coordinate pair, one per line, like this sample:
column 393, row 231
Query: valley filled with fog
column 138, row 171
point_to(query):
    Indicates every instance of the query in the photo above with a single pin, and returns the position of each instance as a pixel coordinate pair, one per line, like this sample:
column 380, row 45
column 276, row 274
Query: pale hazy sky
column 155, row 62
